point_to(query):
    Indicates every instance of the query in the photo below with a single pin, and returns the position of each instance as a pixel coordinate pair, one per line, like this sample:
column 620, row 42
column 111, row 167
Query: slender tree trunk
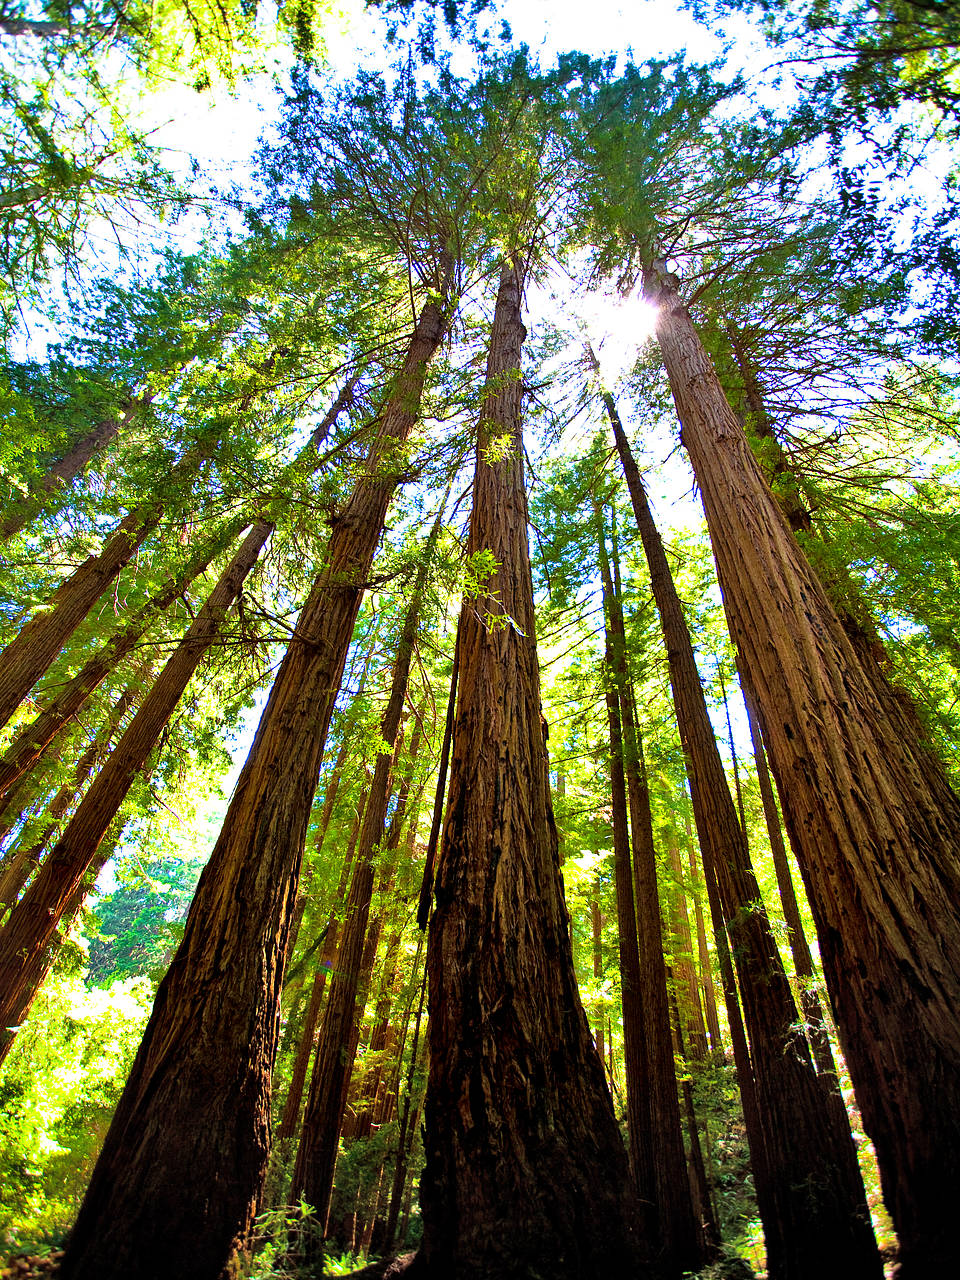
column 181, row 1173
column 802, row 959
column 32, row 742
column 664, row 1181
column 703, row 950
column 406, row 1131
column 317, row 1153
column 869, row 813
column 525, row 1168
column 27, row 858
column 815, row 1215
column 20, row 513
column 290, row 1120
column 635, row 1032
column 596, row 929
column 695, row 1037
column 33, row 922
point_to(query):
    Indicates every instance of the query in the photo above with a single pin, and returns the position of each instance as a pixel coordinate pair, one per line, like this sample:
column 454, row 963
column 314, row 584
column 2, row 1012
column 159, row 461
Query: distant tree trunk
column 31, row 743
column 181, row 1173
column 635, row 1032
column 596, row 930
column 28, row 656
column 661, row 1165
column 20, row 513
column 290, row 1120
column 695, row 1033
column 869, row 812
column 33, row 921
column 525, row 1168
column 27, row 858
column 814, row 1214
column 317, row 1153
column 703, row 951
column 406, row 1130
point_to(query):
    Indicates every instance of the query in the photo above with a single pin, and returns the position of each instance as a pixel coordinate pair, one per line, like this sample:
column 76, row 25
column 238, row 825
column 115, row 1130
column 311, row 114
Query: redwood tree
column 525, row 1170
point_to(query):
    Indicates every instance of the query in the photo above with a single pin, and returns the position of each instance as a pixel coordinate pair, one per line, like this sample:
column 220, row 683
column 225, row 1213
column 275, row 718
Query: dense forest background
column 479, row 621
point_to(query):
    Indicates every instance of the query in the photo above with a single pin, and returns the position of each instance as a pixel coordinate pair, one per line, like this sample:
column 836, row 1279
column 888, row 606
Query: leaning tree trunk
column 32, row 925
column 525, row 1170
column 869, row 812
column 32, row 742
column 20, row 513
column 814, row 1211
column 30, row 653
column 177, row 1185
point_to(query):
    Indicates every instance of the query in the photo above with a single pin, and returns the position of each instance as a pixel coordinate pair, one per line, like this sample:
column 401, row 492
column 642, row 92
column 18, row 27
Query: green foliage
column 58, row 1087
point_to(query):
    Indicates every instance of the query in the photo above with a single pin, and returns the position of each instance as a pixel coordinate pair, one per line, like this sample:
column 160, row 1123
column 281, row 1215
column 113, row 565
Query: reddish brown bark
column 525, row 1169
column 317, row 1153
column 31, row 743
column 33, row 921
column 816, row 1023
column 869, row 813
column 18, row 872
column 181, row 1172
column 814, row 1210
column 691, row 1021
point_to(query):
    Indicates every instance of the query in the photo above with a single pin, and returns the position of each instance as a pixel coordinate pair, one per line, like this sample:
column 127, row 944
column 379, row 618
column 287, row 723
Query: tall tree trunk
column 703, row 950
column 181, row 1173
column 635, row 1033
column 816, row 1219
column 33, row 921
column 869, row 812
column 32, row 742
column 695, row 1035
column 27, row 858
column 405, row 1132
column 317, row 1153
column 525, row 1168
column 29, row 654
column 802, row 959
column 20, row 513
column 290, row 1120
column 662, row 1163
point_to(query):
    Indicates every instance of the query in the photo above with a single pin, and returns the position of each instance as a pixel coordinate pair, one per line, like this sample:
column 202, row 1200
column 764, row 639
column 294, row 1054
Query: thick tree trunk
column 814, row 1212
column 525, row 1169
column 19, row 514
column 33, row 922
column 317, row 1153
column 869, row 813
column 181, row 1172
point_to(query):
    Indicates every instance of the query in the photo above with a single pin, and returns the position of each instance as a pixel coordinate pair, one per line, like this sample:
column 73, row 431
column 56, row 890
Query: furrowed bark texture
column 181, row 1173
column 814, row 1209
column 870, row 815
column 525, row 1170
column 33, row 922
